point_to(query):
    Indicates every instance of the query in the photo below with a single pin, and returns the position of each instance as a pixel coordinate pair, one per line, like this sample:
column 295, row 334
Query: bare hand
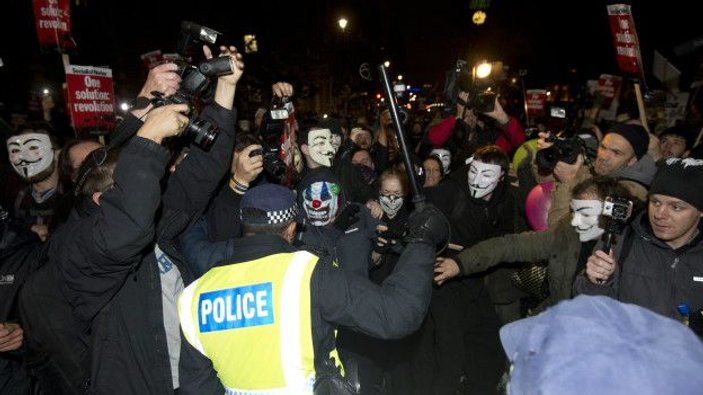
column 282, row 89
column 164, row 121
column 11, row 336
column 600, row 266
column 375, row 208
column 244, row 168
column 542, row 142
column 566, row 173
column 162, row 78
column 42, row 230
column 498, row 113
column 445, row 269
column 236, row 63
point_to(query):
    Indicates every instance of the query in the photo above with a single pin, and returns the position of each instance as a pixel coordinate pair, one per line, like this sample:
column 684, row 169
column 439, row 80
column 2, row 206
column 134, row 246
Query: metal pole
column 418, row 197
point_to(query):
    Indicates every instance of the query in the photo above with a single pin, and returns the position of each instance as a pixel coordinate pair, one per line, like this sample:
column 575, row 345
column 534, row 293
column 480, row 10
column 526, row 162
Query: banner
column 91, row 99
column 608, row 88
column 152, row 59
column 627, row 47
column 53, row 22
column 536, row 99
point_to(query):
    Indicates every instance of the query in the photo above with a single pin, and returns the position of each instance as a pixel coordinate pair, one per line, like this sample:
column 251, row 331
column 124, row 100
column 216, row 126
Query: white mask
column 30, row 153
column 320, row 147
column 483, row 178
column 390, row 204
column 585, row 218
column 444, row 156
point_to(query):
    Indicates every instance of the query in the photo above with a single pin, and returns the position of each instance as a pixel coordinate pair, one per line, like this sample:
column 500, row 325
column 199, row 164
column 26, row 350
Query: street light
column 342, row 22
column 387, row 63
column 483, row 70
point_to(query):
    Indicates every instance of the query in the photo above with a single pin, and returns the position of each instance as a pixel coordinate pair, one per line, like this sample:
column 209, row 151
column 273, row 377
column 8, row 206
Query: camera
column 271, row 134
column 617, row 208
column 617, row 211
column 482, row 100
column 196, row 81
column 564, row 149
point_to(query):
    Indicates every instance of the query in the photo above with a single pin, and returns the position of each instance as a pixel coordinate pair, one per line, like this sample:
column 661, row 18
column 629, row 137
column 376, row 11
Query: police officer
column 264, row 320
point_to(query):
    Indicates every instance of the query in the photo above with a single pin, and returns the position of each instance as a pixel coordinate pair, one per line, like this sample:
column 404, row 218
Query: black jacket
column 104, row 264
column 338, row 298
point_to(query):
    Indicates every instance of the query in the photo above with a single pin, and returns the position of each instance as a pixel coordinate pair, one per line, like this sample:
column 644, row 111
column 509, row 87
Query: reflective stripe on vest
column 253, row 321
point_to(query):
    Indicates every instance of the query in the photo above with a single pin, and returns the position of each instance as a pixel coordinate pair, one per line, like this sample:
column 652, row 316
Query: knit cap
column 636, row 135
column 682, row 179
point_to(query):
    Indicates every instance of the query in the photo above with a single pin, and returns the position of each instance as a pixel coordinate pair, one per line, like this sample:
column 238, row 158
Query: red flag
column 91, row 99
column 627, row 47
column 53, row 23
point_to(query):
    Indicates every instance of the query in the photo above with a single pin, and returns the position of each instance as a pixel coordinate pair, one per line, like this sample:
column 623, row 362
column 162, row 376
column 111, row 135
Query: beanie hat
column 636, row 135
column 268, row 204
column 598, row 345
column 682, row 179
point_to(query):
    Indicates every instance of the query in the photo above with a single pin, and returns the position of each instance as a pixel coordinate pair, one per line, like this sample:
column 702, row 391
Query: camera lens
column 202, row 132
column 547, row 158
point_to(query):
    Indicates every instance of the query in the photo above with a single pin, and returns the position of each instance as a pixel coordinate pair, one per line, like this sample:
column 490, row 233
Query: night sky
column 422, row 39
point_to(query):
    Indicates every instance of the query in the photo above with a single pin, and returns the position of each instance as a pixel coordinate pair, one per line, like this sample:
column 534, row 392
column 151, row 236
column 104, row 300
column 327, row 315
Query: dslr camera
column 271, row 133
column 196, row 81
column 564, row 149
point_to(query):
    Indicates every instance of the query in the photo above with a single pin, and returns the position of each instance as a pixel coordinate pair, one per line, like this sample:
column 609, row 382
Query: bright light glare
column 124, row 106
column 387, row 63
column 483, row 70
column 342, row 23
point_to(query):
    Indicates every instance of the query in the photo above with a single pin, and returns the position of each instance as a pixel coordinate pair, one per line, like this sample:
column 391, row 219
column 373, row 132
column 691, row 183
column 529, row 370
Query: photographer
column 469, row 129
column 622, row 154
column 658, row 261
column 101, row 314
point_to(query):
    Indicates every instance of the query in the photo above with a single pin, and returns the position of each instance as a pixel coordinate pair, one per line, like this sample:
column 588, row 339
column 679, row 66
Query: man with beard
column 33, row 155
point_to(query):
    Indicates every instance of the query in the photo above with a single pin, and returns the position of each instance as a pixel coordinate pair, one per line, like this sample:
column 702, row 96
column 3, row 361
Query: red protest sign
column 536, row 99
column 609, row 88
column 53, row 22
column 91, row 99
column 627, row 47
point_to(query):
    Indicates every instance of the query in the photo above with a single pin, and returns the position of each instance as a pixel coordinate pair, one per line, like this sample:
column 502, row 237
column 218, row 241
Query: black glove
column 347, row 217
column 429, row 226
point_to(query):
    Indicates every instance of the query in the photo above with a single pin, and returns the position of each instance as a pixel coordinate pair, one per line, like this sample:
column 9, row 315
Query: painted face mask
column 483, row 178
column 320, row 147
column 444, row 156
column 321, row 202
column 390, row 204
column 585, row 218
column 30, row 154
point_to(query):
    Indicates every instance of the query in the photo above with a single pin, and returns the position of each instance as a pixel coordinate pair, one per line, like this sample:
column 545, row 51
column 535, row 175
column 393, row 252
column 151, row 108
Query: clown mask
column 585, row 219
column 320, row 147
column 483, row 178
column 31, row 155
column 444, row 156
column 321, row 202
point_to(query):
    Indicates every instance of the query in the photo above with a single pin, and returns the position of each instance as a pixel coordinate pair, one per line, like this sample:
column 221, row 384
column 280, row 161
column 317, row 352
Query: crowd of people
column 155, row 265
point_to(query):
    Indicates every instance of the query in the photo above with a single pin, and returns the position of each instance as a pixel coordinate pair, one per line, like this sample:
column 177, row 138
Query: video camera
column 617, row 211
column 564, row 149
column 270, row 133
column 482, row 91
column 196, row 81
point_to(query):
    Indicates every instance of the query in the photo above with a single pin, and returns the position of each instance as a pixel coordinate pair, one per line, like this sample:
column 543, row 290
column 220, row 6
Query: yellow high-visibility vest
column 253, row 321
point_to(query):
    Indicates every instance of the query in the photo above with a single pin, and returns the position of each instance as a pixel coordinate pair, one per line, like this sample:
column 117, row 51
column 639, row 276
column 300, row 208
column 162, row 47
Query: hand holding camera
column 248, row 164
column 164, row 121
